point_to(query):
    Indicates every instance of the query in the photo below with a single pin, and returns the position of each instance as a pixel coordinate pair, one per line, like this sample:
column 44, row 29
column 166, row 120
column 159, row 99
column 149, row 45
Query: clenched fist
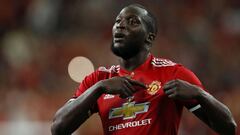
column 179, row 89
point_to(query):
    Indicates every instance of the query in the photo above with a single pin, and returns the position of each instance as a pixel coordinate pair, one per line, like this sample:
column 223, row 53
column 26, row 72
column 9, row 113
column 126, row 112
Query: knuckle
column 178, row 81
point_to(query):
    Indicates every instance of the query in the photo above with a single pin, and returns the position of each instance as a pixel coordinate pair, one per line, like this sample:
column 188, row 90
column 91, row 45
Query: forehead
column 132, row 11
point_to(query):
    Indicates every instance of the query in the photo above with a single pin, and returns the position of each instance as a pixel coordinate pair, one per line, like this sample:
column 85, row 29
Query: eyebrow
column 129, row 16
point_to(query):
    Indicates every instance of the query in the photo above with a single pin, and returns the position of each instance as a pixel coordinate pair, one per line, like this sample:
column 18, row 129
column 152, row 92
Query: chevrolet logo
column 129, row 110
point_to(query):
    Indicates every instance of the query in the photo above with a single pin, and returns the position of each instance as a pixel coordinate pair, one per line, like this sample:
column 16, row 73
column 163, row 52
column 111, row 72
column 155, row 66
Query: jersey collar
column 142, row 67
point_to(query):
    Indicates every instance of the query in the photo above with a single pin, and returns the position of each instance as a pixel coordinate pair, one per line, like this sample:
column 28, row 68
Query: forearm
column 218, row 115
column 72, row 115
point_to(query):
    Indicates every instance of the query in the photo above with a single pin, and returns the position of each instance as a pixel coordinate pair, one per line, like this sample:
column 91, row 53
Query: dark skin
column 212, row 112
column 130, row 33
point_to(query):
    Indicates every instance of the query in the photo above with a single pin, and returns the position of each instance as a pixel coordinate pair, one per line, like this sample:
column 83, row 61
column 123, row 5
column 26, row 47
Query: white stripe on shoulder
column 158, row 62
column 112, row 69
column 195, row 108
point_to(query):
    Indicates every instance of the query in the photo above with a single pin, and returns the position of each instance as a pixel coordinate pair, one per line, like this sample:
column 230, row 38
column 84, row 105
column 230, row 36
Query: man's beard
column 126, row 51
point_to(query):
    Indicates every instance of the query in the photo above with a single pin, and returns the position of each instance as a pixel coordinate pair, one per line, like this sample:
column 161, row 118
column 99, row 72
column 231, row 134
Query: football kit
column 149, row 111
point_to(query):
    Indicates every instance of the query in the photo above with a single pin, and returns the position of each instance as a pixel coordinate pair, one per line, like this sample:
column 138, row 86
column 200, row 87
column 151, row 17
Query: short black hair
column 150, row 20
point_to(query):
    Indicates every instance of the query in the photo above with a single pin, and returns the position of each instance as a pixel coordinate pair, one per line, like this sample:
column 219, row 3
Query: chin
column 116, row 49
column 124, row 51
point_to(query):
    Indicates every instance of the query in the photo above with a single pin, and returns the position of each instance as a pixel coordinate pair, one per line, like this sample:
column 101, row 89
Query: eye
column 133, row 21
column 118, row 20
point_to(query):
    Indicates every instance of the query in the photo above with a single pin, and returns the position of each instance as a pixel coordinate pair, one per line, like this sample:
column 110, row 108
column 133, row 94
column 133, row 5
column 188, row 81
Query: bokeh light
column 79, row 67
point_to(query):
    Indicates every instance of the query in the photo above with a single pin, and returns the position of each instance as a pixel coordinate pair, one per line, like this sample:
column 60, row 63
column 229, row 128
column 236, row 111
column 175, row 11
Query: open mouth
column 119, row 37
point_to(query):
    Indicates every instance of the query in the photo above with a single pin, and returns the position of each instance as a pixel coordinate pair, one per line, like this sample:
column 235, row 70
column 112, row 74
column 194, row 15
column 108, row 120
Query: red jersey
column 149, row 111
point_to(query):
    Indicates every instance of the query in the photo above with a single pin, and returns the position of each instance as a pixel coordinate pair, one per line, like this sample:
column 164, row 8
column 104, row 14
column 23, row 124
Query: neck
column 132, row 63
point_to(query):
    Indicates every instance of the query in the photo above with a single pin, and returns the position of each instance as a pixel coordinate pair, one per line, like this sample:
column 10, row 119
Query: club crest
column 154, row 87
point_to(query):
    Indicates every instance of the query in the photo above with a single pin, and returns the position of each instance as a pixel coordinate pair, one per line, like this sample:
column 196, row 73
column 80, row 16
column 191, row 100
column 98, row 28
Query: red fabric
column 161, row 116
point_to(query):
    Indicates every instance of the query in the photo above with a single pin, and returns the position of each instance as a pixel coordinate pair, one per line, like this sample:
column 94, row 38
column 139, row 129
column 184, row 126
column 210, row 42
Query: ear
column 150, row 37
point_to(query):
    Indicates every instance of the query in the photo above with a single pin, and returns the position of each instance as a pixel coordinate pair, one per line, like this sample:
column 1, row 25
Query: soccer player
column 143, row 95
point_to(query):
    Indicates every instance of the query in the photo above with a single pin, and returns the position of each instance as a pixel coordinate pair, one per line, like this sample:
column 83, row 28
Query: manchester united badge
column 154, row 87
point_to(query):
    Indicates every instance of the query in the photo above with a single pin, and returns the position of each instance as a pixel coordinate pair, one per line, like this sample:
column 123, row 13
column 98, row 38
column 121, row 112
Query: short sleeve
column 185, row 74
column 88, row 81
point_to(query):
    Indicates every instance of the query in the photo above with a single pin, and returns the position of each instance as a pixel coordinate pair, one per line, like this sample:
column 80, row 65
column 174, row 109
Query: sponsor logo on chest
column 138, row 123
column 129, row 110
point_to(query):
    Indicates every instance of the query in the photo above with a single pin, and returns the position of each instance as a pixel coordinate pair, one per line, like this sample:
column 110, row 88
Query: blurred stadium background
column 38, row 39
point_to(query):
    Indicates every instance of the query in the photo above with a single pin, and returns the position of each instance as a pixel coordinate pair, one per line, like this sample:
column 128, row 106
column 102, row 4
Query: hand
column 179, row 89
column 122, row 86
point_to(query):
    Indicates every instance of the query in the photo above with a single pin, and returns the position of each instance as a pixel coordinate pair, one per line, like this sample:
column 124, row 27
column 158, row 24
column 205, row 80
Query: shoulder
column 161, row 62
column 102, row 73
column 170, row 67
column 112, row 69
column 178, row 69
column 99, row 74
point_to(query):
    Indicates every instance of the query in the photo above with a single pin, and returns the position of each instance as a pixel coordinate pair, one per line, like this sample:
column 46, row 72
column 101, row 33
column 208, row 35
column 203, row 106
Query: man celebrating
column 144, row 95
